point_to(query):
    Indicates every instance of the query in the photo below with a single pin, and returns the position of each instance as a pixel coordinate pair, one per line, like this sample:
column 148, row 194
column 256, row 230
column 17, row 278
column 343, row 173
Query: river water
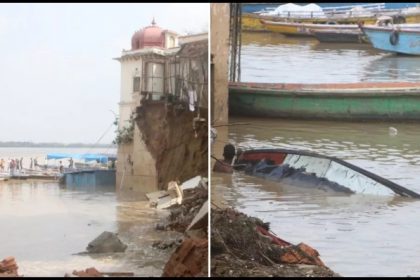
column 274, row 58
column 356, row 235
column 43, row 225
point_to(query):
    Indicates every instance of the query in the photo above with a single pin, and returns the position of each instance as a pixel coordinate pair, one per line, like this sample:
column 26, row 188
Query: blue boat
column 404, row 39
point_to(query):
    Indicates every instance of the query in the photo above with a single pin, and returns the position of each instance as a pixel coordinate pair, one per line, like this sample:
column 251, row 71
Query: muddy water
column 273, row 58
column 43, row 226
column 356, row 235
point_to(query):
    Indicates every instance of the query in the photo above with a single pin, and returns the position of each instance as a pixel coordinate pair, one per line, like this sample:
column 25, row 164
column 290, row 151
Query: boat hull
column 338, row 37
column 305, row 29
column 359, row 101
column 90, row 178
column 339, row 174
column 406, row 42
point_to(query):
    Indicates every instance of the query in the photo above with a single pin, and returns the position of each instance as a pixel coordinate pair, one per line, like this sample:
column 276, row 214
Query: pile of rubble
column 8, row 267
column 244, row 246
column 188, row 205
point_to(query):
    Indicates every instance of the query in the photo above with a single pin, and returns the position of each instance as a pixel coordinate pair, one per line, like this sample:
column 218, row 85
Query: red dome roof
column 150, row 36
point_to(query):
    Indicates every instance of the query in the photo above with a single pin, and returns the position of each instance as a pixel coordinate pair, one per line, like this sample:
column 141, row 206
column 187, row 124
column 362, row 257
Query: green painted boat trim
column 356, row 101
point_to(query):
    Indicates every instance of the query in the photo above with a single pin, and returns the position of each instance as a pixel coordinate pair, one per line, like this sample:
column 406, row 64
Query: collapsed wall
column 179, row 150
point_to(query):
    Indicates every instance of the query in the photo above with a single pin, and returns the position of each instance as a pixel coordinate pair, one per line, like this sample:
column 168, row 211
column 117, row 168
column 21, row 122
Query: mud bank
column 244, row 246
column 179, row 150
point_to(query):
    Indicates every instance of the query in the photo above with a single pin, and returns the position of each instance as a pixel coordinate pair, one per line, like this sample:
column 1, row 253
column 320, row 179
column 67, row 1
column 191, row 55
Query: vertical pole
column 235, row 41
column 239, row 5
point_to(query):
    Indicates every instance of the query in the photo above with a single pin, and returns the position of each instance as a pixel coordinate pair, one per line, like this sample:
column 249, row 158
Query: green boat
column 345, row 101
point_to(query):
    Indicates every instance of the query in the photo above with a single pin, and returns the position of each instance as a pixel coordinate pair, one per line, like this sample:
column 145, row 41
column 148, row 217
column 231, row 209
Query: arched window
column 136, row 81
column 171, row 42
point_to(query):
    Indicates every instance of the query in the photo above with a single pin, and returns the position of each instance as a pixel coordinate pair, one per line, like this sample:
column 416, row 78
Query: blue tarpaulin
column 86, row 157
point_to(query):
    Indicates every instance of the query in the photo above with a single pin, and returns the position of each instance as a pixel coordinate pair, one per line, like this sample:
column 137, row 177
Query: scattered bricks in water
column 89, row 272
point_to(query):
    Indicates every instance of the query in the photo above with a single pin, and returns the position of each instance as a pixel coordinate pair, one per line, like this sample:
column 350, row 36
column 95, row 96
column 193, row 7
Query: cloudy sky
column 58, row 81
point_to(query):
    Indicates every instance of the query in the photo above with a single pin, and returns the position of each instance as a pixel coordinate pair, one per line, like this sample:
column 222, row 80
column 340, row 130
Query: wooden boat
column 252, row 21
column 263, row 7
column 314, row 170
column 346, row 101
column 304, row 29
column 403, row 39
column 339, row 36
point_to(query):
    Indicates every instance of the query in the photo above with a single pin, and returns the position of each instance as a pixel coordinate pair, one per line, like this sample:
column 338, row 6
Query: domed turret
column 150, row 36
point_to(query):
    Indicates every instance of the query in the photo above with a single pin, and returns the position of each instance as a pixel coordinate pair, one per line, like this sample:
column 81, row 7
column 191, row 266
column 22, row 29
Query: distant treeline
column 54, row 145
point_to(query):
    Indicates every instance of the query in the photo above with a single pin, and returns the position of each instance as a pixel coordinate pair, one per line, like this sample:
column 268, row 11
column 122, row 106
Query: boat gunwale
column 308, row 25
column 393, row 186
column 280, row 18
column 363, row 89
column 388, row 29
column 337, row 31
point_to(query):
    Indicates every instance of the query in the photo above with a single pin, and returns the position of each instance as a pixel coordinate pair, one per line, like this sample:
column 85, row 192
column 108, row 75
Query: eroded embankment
column 180, row 151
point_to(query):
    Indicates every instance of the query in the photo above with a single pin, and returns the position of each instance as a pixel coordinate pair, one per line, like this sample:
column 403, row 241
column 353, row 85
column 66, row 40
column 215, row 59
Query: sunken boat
column 317, row 171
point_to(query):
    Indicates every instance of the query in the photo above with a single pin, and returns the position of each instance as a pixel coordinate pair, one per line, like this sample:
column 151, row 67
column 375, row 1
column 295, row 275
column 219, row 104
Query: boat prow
column 404, row 39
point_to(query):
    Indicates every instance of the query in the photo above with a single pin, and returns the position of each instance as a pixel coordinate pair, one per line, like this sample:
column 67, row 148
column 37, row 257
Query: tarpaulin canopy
column 86, row 157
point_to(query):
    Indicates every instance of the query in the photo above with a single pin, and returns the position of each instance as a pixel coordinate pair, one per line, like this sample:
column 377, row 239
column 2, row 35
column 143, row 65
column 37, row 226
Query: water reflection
column 393, row 67
column 362, row 49
column 274, row 58
column 273, row 39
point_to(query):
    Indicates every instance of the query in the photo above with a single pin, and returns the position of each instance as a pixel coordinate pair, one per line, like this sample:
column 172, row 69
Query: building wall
column 136, row 168
column 129, row 68
column 136, row 172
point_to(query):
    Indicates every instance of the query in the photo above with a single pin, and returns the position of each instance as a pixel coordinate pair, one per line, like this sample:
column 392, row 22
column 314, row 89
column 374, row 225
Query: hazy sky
column 58, row 81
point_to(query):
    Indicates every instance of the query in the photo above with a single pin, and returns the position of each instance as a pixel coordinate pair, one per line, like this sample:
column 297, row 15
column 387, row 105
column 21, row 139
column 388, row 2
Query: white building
column 143, row 67
column 160, row 67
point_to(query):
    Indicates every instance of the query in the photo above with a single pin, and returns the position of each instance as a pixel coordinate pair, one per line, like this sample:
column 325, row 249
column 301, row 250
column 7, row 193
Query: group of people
column 14, row 165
